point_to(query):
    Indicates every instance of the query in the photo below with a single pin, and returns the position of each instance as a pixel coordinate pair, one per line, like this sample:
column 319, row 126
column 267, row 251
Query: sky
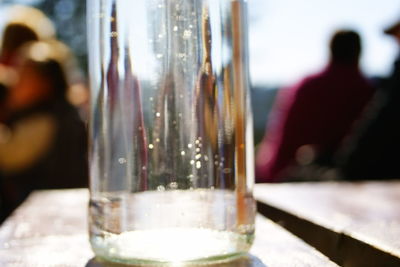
column 288, row 39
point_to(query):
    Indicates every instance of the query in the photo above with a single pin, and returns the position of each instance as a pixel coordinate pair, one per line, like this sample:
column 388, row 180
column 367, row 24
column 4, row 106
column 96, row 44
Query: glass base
column 187, row 246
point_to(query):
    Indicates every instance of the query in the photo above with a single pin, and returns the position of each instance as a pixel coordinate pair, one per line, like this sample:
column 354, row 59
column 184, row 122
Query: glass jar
column 171, row 141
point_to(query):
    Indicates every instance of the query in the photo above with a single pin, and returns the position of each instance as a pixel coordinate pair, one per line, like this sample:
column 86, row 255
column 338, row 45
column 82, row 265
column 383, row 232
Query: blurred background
column 288, row 40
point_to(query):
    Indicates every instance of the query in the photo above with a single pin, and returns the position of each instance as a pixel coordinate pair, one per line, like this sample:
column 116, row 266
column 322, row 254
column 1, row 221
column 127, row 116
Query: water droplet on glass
column 187, row 34
column 191, row 162
column 175, row 28
column 190, row 145
column 151, row 99
column 197, row 142
column 158, row 114
column 205, row 158
column 158, row 140
column 198, row 156
column 151, row 146
column 183, row 153
column 182, row 56
column 227, row 170
column 122, row 160
column 198, row 149
column 160, row 188
column 198, row 164
column 173, row 185
column 159, row 56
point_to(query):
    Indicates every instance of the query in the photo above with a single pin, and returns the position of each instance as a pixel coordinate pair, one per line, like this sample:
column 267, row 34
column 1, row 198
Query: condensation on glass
column 171, row 148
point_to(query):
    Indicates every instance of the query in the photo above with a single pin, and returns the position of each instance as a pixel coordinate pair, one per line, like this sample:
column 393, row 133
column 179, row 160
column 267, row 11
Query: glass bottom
column 171, row 245
column 159, row 227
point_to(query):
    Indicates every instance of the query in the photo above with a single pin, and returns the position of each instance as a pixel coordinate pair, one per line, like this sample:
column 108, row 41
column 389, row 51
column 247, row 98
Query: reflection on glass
column 171, row 130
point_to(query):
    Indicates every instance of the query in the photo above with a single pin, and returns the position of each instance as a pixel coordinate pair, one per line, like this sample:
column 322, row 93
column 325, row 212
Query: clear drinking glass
column 171, row 142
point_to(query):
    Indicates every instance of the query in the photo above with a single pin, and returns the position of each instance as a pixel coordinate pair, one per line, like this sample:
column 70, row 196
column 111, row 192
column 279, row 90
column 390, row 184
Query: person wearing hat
column 374, row 150
column 23, row 24
column 394, row 30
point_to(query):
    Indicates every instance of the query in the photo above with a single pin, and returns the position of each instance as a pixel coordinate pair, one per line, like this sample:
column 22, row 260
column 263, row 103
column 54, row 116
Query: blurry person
column 42, row 139
column 6, row 79
column 14, row 36
column 373, row 152
column 310, row 119
column 23, row 24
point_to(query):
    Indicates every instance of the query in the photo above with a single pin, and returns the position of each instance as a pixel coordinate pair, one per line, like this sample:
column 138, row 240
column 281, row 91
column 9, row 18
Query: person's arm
column 30, row 139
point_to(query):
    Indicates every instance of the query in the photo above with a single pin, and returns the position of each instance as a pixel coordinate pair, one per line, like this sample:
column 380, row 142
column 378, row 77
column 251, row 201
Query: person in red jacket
column 310, row 119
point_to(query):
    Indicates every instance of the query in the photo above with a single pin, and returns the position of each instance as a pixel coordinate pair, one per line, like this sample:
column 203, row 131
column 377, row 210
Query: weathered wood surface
column 50, row 229
column 354, row 224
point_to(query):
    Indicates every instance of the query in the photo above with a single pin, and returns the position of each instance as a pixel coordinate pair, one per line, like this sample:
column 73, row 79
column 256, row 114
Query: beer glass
column 171, row 142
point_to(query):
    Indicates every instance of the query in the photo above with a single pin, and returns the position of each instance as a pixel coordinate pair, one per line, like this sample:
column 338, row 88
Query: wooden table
column 50, row 229
column 354, row 224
